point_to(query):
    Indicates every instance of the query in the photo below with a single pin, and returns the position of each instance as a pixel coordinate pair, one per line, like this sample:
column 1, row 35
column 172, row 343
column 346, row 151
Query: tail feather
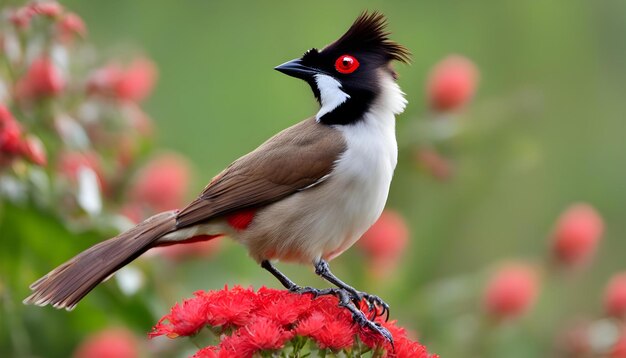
column 64, row 286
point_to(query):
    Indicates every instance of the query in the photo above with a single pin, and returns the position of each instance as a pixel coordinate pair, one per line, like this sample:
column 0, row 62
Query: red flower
column 161, row 184
column 138, row 80
column 385, row 241
column 615, row 296
column 21, row 17
column 451, row 83
column 577, row 234
column 183, row 320
column 131, row 84
column 50, row 9
column 10, row 133
column 285, row 309
column 69, row 163
column 33, row 150
column 259, row 325
column 110, row 343
column 210, row 352
column 619, row 348
column 259, row 335
column 42, row 79
column 230, row 308
column 70, row 26
column 327, row 331
column 103, row 80
column 511, row 291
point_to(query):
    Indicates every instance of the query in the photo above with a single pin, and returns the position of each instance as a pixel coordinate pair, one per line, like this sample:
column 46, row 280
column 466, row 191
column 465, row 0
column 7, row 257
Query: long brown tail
column 64, row 286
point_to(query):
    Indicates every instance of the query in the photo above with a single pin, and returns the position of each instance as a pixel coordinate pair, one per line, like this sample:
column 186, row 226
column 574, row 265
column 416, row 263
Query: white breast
column 325, row 220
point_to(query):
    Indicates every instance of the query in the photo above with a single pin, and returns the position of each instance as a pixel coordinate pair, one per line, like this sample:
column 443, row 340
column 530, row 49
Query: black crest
column 369, row 32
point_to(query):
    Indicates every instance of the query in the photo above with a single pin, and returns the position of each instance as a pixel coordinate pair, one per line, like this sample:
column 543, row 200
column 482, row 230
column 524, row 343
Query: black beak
column 295, row 68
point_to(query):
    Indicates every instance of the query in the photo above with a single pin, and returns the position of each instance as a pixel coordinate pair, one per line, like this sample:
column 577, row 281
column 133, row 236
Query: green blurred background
column 546, row 129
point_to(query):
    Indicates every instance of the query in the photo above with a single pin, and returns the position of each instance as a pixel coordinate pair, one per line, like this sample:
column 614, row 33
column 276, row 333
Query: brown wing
column 292, row 160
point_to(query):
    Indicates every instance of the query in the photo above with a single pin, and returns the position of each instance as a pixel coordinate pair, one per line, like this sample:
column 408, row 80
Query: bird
column 305, row 195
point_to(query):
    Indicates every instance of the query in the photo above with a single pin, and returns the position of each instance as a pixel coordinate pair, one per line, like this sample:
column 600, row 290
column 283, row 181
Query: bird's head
column 348, row 75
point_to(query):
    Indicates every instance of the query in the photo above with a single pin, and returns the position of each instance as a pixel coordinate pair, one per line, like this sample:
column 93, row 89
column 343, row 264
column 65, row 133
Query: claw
column 374, row 303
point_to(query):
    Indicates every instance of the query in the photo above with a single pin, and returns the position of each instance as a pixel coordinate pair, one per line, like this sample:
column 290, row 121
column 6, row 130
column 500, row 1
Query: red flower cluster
column 67, row 24
column 132, row 83
column 249, row 322
column 14, row 144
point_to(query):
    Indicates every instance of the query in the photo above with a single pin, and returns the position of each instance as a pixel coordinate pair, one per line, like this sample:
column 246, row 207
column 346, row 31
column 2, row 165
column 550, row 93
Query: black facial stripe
column 351, row 111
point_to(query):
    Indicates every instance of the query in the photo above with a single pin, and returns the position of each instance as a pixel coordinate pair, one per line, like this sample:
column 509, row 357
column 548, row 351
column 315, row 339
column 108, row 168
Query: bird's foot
column 346, row 301
column 375, row 304
column 352, row 303
column 316, row 292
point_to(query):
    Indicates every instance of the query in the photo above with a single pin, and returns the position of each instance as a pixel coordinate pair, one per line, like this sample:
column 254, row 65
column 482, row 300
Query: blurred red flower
column 511, row 291
column 138, row 80
column 50, row 9
column 10, row 133
column 69, row 163
column 385, row 241
column 133, row 83
column 451, row 83
column 615, row 296
column 70, row 26
column 42, row 79
column 21, row 17
column 259, row 325
column 33, row 150
column 110, row 343
column 619, row 348
column 577, row 233
column 162, row 183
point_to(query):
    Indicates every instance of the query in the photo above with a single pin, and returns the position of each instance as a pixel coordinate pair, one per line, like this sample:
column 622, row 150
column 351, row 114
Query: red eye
column 346, row 64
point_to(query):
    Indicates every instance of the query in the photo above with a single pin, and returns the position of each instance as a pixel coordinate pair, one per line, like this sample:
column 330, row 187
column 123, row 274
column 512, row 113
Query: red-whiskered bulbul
column 305, row 195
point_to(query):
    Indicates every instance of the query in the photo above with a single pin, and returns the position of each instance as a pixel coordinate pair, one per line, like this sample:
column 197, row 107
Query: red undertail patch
column 241, row 219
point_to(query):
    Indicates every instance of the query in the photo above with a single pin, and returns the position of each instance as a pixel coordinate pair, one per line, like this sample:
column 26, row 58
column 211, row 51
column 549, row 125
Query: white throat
column 331, row 95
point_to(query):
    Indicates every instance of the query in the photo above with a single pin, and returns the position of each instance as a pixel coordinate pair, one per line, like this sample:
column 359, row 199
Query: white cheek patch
column 331, row 94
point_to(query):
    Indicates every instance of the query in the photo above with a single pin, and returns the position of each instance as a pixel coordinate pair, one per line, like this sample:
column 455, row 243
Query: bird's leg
column 323, row 270
column 284, row 280
column 292, row 286
column 344, row 294
column 359, row 318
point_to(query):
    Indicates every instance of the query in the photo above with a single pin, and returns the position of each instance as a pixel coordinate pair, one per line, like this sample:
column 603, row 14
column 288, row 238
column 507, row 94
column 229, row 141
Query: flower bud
column 70, row 26
column 109, row 343
column 451, row 83
column 10, row 133
column 33, row 150
column 21, row 17
column 137, row 81
column 385, row 241
column 615, row 296
column 51, row 9
column 43, row 79
column 511, row 291
column 162, row 183
column 577, row 233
